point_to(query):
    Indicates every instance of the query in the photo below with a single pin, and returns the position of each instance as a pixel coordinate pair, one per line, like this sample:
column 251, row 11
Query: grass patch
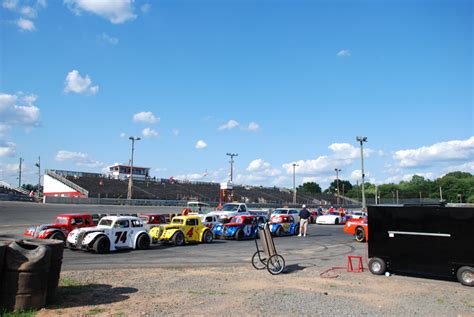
column 23, row 313
column 95, row 311
column 469, row 304
column 206, row 293
column 68, row 282
column 119, row 314
column 440, row 301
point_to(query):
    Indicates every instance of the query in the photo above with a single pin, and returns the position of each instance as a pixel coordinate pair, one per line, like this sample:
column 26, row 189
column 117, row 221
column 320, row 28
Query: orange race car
column 358, row 228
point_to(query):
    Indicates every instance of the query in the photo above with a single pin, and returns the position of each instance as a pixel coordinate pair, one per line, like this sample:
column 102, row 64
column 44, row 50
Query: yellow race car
column 181, row 230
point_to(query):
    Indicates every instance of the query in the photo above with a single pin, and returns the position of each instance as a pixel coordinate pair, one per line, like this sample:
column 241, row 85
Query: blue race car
column 283, row 225
column 239, row 228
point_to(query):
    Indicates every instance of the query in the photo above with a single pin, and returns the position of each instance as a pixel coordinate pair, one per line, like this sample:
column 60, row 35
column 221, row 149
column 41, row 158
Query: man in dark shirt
column 304, row 218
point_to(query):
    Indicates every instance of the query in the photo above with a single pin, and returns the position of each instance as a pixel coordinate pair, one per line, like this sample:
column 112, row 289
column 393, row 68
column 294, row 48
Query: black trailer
column 422, row 239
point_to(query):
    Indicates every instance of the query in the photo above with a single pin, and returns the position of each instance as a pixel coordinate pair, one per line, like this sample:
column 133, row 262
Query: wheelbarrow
column 267, row 257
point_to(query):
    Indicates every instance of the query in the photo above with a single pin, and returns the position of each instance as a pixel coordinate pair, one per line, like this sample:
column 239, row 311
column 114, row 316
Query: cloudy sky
column 277, row 82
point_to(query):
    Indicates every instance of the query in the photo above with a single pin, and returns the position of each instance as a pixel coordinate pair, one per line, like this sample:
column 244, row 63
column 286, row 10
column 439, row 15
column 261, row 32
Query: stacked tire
column 25, row 275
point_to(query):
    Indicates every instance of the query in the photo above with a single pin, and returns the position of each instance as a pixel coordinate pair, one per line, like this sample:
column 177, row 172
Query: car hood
column 327, row 217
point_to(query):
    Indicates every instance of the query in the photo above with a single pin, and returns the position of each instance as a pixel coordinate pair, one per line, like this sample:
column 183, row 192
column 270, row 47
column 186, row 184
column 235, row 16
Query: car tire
column 102, row 245
column 297, row 230
column 143, row 242
column 465, row 275
column 377, row 266
column 178, row 239
column 239, row 235
column 69, row 246
column 336, row 222
column 279, row 232
column 360, row 234
column 207, row 237
column 58, row 236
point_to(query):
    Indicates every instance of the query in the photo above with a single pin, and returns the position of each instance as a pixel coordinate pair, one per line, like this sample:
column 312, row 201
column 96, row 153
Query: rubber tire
column 23, row 257
column 275, row 264
column 279, row 232
column 68, row 246
column 24, row 282
column 460, row 273
column 257, row 263
column 102, row 245
column 143, row 242
column 360, row 234
column 207, row 237
column 178, row 239
column 336, row 222
column 58, row 236
column 297, row 230
column 377, row 266
column 239, row 235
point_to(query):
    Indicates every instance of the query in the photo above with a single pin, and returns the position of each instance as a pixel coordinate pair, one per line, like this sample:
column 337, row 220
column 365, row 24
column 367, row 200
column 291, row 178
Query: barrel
column 3, row 248
column 57, row 250
column 25, row 276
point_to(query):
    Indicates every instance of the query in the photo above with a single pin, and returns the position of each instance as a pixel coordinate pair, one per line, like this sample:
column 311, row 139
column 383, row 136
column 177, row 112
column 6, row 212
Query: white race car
column 112, row 233
column 332, row 218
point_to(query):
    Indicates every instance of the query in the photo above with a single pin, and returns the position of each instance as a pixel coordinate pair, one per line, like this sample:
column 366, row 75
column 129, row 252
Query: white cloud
column 253, row 126
column 28, row 11
column 456, row 150
column 149, row 133
column 147, row 117
column 76, row 83
column 10, row 169
column 123, row 135
column 466, row 167
column 116, row 11
column 257, row 172
column 343, row 53
column 175, row 132
column 407, row 177
column 145, row 8
column 257, row 165
column 25, row 24
column 107, row 39
column 201, row 144
column 10, row 4
column 7, row 149
column 78, row 158
column 231, row 124
column 18, row 110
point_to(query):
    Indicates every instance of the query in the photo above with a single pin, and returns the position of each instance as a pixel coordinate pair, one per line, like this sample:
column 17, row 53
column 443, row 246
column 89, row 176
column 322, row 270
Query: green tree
column 310, row 187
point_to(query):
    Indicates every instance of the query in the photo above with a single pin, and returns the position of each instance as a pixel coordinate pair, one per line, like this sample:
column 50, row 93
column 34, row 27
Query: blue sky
column 275, row 81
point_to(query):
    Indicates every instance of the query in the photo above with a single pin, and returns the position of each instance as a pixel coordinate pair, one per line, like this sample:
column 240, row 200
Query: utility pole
column 397, row 196
column 440, row 194
column 294, row 182
column 130, row 178
column 337, row 183
column 361, row 140
column 19, row 173
column 232, row 155
column 39, row 177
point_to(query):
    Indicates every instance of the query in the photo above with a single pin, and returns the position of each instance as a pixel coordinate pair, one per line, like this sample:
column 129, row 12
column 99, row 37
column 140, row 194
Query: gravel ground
column 242, row 290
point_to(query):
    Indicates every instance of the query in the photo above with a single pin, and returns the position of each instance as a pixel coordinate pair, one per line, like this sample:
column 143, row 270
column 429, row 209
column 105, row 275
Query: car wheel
column 259, row 261
column 178, row 239
column 336, row 222
column 58, row 236
column 102, row 245
column 279, row 232
column 239, row 235
column 360, row 234
column 207, row 237
column 69, row 246
column 465, row 275
column 377, row 266
column 143, row 242
column 276, row 264
column 297, row 230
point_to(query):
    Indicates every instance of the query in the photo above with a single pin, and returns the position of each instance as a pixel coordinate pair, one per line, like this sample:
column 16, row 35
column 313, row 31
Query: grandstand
column 82, row 185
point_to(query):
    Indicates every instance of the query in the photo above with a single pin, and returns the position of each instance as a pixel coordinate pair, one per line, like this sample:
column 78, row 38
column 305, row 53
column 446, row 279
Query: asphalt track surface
column 325, row 246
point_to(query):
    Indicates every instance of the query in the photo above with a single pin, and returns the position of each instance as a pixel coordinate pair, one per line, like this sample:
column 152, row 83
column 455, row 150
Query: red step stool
column 360, row 265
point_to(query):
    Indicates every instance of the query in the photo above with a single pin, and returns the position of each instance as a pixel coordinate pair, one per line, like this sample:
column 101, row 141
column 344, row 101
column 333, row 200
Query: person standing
column 304, row 218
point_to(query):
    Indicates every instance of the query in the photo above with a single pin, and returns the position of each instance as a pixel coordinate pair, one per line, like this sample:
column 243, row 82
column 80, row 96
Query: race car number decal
column 247, row 230
column 190, row 232
column 120, row 236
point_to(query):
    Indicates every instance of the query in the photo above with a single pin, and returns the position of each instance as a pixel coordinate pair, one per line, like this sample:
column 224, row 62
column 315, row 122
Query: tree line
column 455, row 187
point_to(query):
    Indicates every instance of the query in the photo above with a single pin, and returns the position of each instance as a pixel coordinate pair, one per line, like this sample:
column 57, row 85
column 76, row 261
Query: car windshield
column 230, row 207
column 236, row 220
column 177, row 221
column 61, row 220
column 105, row 223
column 281, row 212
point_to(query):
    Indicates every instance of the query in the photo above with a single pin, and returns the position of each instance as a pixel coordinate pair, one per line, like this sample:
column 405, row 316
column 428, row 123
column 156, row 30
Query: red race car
column 59, row 230
column 358, row 228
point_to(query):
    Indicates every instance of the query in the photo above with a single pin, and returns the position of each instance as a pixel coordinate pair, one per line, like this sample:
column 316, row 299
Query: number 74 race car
column 112, row 233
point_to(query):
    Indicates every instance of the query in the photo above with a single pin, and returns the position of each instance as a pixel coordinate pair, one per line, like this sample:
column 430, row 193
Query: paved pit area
column 218, row 277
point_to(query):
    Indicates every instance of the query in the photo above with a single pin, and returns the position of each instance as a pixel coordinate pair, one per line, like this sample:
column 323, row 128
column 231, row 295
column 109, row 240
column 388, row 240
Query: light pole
column 361, row 140
column 130, row 178
column 39, row 176
column 19, row 173
column 294, row 182
column 337, row 183
column 232, row 155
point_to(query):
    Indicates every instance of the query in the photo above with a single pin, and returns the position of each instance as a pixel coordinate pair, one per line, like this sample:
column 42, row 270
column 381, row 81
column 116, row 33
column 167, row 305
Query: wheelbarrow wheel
column 275, row 264
column 259, row 261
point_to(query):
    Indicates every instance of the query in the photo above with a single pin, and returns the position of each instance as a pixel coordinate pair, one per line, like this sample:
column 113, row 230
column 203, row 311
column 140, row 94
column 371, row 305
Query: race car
column 331, row 218
column 112, row 233
column 282, row 225
column 59, row 230
column 181, row 230
column 239, row 228
column 152, row 220
column 358, row 228
column 210, row 220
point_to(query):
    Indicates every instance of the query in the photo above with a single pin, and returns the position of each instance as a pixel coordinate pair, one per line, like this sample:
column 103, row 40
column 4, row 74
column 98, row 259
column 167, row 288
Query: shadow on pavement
column 89, row 295
column 293, row 268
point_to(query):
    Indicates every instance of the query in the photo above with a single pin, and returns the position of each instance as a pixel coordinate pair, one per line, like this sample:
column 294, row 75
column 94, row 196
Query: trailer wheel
column 377, row 266
column 360, row 234
column 465, row 275
column 259, row 261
